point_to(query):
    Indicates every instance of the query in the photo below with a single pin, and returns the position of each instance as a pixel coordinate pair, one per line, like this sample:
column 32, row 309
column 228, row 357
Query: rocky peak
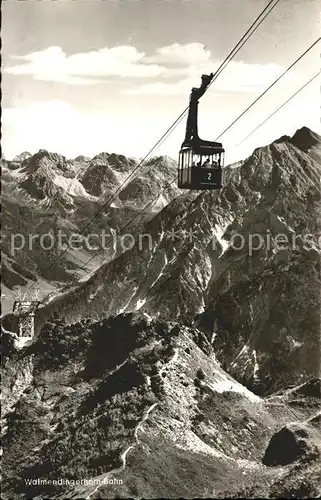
column 81, row 158
column 117, row 162
column 105, row 172
column 99, row 177
column 155, row 175
column 46, row 161
column 305, row 139
column 22, row 156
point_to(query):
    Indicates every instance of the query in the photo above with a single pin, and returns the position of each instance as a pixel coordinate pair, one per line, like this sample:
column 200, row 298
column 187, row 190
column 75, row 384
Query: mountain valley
column 188, row 365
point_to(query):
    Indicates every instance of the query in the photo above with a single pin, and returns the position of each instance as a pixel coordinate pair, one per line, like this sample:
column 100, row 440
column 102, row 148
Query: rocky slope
column 185, row 367
column 45, row 195
column 138, row 407
column 243, row 265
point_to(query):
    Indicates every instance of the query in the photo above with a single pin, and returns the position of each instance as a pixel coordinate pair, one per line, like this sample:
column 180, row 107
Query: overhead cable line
column 269, row 88
column 175, row 178
column 150, row 203
column 278, row 109
column 255, row 25
column 264, row 14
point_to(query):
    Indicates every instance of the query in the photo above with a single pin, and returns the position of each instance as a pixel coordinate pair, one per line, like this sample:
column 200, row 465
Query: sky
column 87, row 76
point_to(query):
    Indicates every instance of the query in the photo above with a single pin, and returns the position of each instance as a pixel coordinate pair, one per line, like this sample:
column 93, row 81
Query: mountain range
column 186, row 366
column 45, row 195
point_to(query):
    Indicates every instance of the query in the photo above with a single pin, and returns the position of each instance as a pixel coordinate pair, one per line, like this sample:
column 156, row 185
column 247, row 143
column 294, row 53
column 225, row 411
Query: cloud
column 189, row 54
column 237, row 77
column 175, row 68
column 171, row 70
column 52, row 64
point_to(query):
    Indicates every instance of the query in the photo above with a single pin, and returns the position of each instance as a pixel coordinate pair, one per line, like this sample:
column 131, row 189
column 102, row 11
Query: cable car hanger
column 200, row 162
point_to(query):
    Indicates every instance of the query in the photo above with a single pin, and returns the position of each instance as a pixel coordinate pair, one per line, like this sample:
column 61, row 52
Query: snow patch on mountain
column 140, row 304
column 123, row 309
column 159, row 204
column 21, row 342
column 256, row 365
column 161, row 272
column 93, row 294
column 18, row 174
column 218, row 232
column 185, row 439
column 73, row 187
column 226, row 384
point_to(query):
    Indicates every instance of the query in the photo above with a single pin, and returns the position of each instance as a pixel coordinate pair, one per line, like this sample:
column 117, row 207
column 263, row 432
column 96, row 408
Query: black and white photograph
column 160, row 249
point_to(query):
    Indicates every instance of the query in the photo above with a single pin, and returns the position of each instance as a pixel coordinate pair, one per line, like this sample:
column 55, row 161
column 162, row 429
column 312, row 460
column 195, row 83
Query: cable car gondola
column 200, row 162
